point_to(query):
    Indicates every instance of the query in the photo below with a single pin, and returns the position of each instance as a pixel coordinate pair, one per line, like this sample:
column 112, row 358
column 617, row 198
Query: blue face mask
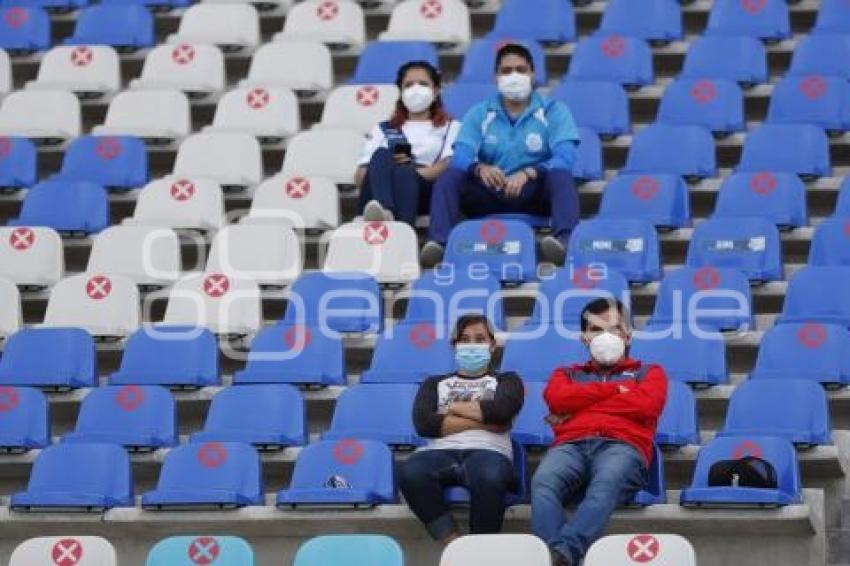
column 472, row 358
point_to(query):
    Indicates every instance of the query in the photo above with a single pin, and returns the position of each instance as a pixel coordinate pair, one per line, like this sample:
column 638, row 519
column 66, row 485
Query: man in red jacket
column 604, row 414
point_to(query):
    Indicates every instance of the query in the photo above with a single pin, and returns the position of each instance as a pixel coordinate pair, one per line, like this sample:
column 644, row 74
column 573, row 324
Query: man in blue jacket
column 514, row 154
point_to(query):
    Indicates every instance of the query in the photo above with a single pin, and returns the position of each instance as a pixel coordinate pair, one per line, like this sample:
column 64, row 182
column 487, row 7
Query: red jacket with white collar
column 622, row 402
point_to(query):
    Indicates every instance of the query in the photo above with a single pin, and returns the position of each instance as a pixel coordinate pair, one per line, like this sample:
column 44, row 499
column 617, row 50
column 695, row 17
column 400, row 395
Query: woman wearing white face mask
column 405, row 154
column 514, row 154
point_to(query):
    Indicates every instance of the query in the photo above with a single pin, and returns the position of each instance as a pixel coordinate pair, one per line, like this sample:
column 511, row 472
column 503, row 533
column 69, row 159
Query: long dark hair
column 439, row 116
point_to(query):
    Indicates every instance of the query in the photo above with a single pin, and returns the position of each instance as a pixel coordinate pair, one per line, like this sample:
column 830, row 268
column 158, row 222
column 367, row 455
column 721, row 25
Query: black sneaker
column 431, row 255
column 559, row 559
column 553, row 250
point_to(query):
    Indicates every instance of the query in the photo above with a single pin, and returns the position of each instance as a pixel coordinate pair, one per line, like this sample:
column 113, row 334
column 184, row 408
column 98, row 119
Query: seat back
column 354, row 415
column 629, row 246
column 65, row 206
column 163, row 355
column 812, row 99
column 548, row 21
column 31, row 256
column 388, row 251
column 738, row 58
column 70, row 549
column 180, row 202
column 115, row 24
column 480, row 58
column 227, row 158
column 459, row 97
column 816, row 294
column 333, row 22
column 111, row 161
column 506, row 247
column 41, row 114
column 149, row 113
column 147, row 255
column 588, row 164
column 441, row 295
column 833, row 17
column 677, row 149
column 221, row 24
column 716, row 104
column 304, row 203
column 822, row 54
column 344, row 302
column 842, row 207
column 750, row 245
column 380, row 60
column 18, row 162
column 767, row 19
column 601, row 106
column 633, row 550
column 766, row 149
column 496, row 550
column 359, row 107
column 24, row 28
column 684, row 355
column 778, row 197
column 526, row 355
column 662, row 199
column 24, row 419
column 307, row 155
column 613, row 57
column 262, row 112
column 267, row 253
column 192, row 550
column 562, row 296
column 105, row 305
column 678, row 424
column 805, row 350
column 82, row 68
column 220, row 302
column 189, row 67
column 11, row 318
column 439, row 21
column 300, row 65
column 408, row 353
column 659, row 20
column 73, row 362
column 830, row 245
column 530, row 428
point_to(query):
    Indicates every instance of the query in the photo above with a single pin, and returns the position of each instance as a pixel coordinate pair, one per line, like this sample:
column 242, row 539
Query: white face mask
column 417, row 98
column 607, row 348
column 515, row 86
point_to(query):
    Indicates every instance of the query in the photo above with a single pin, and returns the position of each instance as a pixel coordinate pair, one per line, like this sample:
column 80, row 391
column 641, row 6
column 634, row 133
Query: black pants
column 399, row 188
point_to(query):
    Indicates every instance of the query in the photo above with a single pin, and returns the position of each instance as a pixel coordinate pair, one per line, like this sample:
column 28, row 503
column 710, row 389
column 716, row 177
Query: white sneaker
column 374, row 212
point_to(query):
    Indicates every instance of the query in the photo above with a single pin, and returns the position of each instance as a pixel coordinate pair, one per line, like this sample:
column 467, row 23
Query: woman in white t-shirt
column 404, row 155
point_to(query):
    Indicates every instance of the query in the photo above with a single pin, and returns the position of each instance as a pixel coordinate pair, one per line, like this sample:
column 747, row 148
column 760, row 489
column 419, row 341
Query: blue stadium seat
column 684, row 356
column 123, row 26
column 137, row 417
column 842, row 207
column 626, row 60
column 629, row 246
column 601, row 106
column 588, row 165
column 562, row 296
column 535, row 351
column 409, row 353
column 24, row 29
column 355, row 415
column 750, row 245
column 444, row 293
column 460, row 97
column 90, row 477
column 156, row 4
column 766, row 19
column 678, row 425
column 353, row 302
column 778, row 451
column 822, row 54
column 831, row 243
column 833, row 17
column 213, row 474
column 65, row 206
column 72, row 363
column 794, row 409
column 680, row 150
column 458, row 495
column 291, row 353
column 18, row 163
column 342, row 472
column 267, row 416
column 380, row 60
column 506, row 247
column 805, row 350
column 529, row 427
column 479, row 62
column 715, row 308
column 50, row 5
column 777, row 197
column 24, row 419
column 119, row 162
column 811, row 99
column 658, row 20
column 546, row 21
column 655, row 492
column 353, row 550
column 661, row 199
column 716, row 104
column 767, row 149
column 194, row 550
column 734, row 57
column 176, row 356
column 818, row 294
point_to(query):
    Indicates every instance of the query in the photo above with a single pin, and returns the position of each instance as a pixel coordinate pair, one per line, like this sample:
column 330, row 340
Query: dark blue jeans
column 606, row 472
column 456, row 191
column 487, row 474
column 399, row 188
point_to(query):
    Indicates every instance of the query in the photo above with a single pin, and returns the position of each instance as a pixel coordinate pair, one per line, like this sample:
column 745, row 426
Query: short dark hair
column 603, row 305
column 514, row 49
column 470, row 319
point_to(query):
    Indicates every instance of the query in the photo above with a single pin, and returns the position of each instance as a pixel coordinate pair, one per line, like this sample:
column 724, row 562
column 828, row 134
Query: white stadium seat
column 65, row 550
column 639, row 549
column 304, row 203
column 388, row 251
column 150, row 114
column 223, row 304
column 48, row 114
column 267, row 113
column 438, row 21
column 270, row 254
column 338, row 23
column 5, row 72
column 324, row 153
column 230, row 159
column 194, row 69
column 104, row 304
column 180, row 203
column 303, row 66
column 231, row 26
column 149, row 255
column 358, row 107
column 10, row 308
column 261, row 5
column 31, row 256
column 497, row 550
column 80, row 68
